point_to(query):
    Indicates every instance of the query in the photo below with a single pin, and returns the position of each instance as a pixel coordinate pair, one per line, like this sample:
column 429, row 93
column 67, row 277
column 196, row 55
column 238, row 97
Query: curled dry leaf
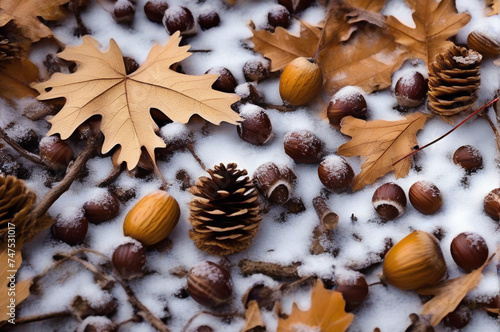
column 253, row 317
column 100, row 86
column 15, row 78
column 449, row 293
column 435, row 22
column 382, row 143
column 326, row 314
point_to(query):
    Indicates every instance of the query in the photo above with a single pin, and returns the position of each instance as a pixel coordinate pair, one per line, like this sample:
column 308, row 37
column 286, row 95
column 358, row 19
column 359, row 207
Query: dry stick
column 26, row 154
column 115, row 173
column 273, row 270
column 327, row 217
column 449, row 132
column 195, row 156
column 493, row 127
column 37, row 318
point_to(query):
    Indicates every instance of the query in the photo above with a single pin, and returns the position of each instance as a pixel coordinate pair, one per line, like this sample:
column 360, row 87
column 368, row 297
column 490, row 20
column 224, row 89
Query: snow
column 360, row 236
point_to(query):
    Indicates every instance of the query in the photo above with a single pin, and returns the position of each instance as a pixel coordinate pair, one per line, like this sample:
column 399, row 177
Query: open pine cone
column 225, row 211
column 454, row 80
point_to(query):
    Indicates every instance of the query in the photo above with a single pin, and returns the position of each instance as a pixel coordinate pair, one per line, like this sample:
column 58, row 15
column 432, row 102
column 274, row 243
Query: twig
column 195, row 156
column 26, row 154
column 493, row 127
column 327, row 217
column 37, row 318
column 281, row 108
column 115, row 173
column 273, row 270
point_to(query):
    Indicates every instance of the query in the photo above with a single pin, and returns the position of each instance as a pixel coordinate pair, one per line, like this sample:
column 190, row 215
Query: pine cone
column 454, row 80
column 225, row 212
column 16, row 202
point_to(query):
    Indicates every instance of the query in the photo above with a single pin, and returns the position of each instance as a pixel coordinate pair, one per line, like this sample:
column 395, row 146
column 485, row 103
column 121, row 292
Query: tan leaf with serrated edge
column 15, row 78
column 449, row 293
column 281, row 47
column 435, row 22
column 25, row 14
column 100, row 86
column 326, row 313
column 382, row 143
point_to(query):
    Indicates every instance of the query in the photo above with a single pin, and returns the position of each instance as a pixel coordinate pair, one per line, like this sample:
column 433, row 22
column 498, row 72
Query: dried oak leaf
column 15, row 77
column 492, row 7
column 25, row 15
column 100, row 86
column 435, row 23
column 253, row 317
column 326, row 313
column 448, row 294
column 382, row 143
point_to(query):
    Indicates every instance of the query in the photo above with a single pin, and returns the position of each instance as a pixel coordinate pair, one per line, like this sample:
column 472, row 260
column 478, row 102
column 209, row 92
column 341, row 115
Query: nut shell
column 389, row 200
column 469, row 158
column 425, row 197
column 303, row 147
column 335, row 173
column 103, row 208
column 55, row 152
column 71, row 230
column 354, row 292
column 347, row 101
column 487, row 46
column 129, row 260
column 275, row 183
column 153, row 218
column 414, row 262
column 256, row 127
column 492, row 203
column 301, row 81
column 210, row 284
column 411, row 89
column 469, row 251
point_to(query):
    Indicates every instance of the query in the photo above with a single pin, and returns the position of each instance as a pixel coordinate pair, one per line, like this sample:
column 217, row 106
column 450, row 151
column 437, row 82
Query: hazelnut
column 335, row 173
column 469, row 158
column 210, row 284
column 256, row 70
column 347, row 101
column 70, row 229
column 354, row 291
column 278, row 16
column 123, row 11
column 303, row 147
column 102, row 208
column 275, row 183
column 256, row 126
column 249, row 93
column 389, row 200
column 411, row 89
column 155, row 9
column 225, row 82
column 492, row 204
column 55, row 153
column 484, row 44
column 469, row 251
column 425, row 197
column 301, row 81
column 179, row 18
column 129, row 260
column 208, row 20
column 294, row 6
column 458, row 318
column 130, row 65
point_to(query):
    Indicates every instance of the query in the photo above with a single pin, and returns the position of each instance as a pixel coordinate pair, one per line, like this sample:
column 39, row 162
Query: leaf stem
column 195, row 156
column 26, row 154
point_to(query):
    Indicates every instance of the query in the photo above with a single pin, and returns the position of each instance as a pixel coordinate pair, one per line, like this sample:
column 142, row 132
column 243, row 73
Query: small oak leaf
column 15, row 77
column 326, row 313
column 382, row 143
column 100, row 86
column 435, row 22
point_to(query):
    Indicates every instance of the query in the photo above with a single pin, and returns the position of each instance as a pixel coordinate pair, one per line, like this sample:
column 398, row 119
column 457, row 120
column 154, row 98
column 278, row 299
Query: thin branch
column 494, row 128
column 195, row 156
column 37, row 318
column 26, row 154
column 273, row 270
column 115, row 173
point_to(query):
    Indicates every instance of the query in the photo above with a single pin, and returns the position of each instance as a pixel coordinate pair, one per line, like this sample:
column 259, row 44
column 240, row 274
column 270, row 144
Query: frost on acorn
column 301, row 81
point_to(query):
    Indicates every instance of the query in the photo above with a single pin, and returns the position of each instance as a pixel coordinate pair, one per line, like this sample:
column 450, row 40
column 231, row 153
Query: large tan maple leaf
column 382, row 143
column 435, row 22
column 100, row 86
column 25, row 14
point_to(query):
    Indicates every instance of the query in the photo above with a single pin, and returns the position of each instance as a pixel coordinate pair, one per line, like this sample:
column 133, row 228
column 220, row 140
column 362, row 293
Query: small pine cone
column 225, row 211
column 16, row 202
column 454, row 80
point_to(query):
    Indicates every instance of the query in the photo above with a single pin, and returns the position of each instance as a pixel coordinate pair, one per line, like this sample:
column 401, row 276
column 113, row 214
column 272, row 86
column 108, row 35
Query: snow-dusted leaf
column 253, row 317
column 100, row 86
column 382, row 143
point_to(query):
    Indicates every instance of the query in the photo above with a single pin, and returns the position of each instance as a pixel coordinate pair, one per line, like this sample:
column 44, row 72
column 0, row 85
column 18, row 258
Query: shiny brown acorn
column 425, row 197
column 210, row 284
column 301, row 81
column 414, row 262
column 152, row 218
column 486, row 45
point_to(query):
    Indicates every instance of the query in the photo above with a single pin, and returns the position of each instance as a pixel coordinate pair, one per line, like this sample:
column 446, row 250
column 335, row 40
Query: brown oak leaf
column 449, row 293
column 25, row 15
column 435, row 23
column 382, row 143
column 15, row 77
column 492, row 7
column 253, row 317
column 326, row 313
column 100, row 86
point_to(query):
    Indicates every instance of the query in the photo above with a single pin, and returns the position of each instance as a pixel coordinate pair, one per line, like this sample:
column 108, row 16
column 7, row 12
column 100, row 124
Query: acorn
column 301, row 81
column 469, row 251
column 70, row 229
column 469, row 158
column 129, row 260
column 458, row 318
column 123, row 11
column 347, row 101
column 210, row 284
column 492, row 203
column 303, row 147
column 55, row 153
column 249, row 93
column 130, row 65
column 278, row 16
column 389, row 200
column 102, row 208
column 425, row 197
column 487, row 45
column 411, row 89
column 414, row 262
column 179, row 18
column 275, row 183
column 208, row 20
column 256, row 70
column 354, row 291
column 154, row 10
column 256, row 126
column 335, row 173
column 294, row 6
column 225, row 82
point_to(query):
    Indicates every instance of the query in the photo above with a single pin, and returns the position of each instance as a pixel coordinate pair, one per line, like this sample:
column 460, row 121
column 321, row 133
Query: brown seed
column 347, row 101
column 278, row 16
column 178, row 18
column 492, row 203
column 256, row 126
column 425, row 197
column 55, row 152
column 210, row 284
column 469, row 251
column 275, row 183
column 294, row 6
column 208, row 20
column 303, row 147
column 225, row 82
column 411, row 89
column 123, row 12
column 154, row 10
column 354, row 292
column 256, row 70
column 129, row 260
column 335, row 173
column 70, row 229
column 101, row 208
column 389, row 200
column 469, row 158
